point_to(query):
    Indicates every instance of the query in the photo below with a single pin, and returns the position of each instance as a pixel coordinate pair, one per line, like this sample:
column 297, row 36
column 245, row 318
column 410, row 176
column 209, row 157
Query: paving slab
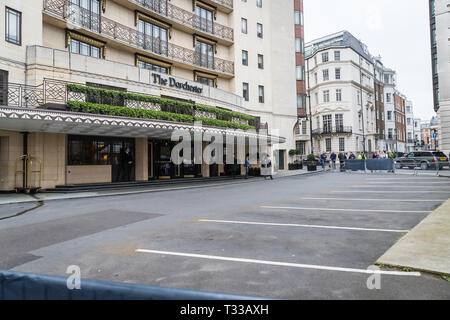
column 426, row 247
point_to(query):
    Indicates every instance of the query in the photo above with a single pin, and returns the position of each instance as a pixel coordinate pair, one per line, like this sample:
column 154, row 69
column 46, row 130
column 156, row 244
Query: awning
column 44, row 120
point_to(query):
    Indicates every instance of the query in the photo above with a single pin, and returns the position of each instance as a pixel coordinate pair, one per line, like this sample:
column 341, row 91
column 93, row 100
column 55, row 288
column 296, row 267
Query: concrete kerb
column 426, row 247
column 82, row 195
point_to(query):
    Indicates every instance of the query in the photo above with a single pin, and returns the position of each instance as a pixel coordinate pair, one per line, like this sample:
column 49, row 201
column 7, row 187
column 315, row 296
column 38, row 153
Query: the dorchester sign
column 172, row 82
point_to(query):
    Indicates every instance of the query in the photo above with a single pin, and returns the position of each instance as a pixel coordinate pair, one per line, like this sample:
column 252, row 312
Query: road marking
column 278, row 263
column 389, row 191
column 396, row 186
column 431, row 184
column 336, row 209
column 384, row 199
column 301, row 225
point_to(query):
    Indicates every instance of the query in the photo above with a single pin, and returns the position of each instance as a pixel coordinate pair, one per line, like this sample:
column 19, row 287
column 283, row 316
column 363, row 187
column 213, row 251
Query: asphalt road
column 301, row 237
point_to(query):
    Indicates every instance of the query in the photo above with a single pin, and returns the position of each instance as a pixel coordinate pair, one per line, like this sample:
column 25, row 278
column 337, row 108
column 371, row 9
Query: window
column 315, row 78
column 408, row 121
column 339, row 122
column 341, row 144
column 203, row 19
column 88, row 150
column 84, row 49
column 338, row 94
column 244, row 25
column 3, row 87
column 210, row 82
column 390, row 133
column 259, row 30
column 389, row 115
column 86, row 13
column 300, row 146
column 326, row 96
column 153, row 37
column 204, row 54
column 245, row 92
column 301, row 101
column 325, row 75
column 260, row 61
column 317, row 97
column 244, row 57
column 259, row 3
column 325, row 57
column 298, row 17
column 153, row 67
column 300, row 70
column 304, row 127
column 13, row 26
column 299, row 45
column 388, row 97
column 327, row 123
column 337, row 73
column 337, row 56
column 261, row 94
column 328, row 144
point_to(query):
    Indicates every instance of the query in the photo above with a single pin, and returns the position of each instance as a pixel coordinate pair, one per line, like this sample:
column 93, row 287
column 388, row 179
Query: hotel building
column 82, row 80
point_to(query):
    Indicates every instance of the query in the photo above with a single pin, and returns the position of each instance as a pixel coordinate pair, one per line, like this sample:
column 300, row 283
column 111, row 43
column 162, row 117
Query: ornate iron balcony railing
column 334, row 130
column 110, row 29
column 187, row 18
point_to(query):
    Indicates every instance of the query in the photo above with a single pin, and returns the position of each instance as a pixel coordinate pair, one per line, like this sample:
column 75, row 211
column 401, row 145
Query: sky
column 398, row 30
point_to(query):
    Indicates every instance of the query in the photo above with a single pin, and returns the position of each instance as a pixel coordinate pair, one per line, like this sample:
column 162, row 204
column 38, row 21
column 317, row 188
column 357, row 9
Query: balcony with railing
column 106, row 29
column 183, row 19
column 332, row 130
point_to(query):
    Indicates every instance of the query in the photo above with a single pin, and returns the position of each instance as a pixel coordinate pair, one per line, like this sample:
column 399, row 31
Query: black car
column 423, row 159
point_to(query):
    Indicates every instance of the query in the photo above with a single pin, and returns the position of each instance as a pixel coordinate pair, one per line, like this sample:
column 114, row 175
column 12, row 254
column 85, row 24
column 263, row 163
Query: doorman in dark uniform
column 127, row 163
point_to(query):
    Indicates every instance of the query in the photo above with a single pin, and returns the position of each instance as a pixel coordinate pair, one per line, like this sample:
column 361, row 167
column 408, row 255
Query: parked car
column 423, row 159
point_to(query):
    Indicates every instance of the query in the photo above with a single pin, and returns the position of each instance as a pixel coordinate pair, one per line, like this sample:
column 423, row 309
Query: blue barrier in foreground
column 371, row 164
column 27, row 286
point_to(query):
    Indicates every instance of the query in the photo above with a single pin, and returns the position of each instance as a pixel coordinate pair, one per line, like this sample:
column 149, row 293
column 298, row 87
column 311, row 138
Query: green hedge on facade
column 172, row 106
column 103, row 109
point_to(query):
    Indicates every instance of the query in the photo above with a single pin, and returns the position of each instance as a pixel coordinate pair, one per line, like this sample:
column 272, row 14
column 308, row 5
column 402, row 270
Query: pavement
column 16, row 198
column 313, row 236
column 426, row 247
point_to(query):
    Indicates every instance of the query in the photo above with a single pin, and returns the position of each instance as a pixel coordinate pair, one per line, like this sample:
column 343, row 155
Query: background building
column 227, row 56
column 440, row 52
column 341, row 78
column 410, row 141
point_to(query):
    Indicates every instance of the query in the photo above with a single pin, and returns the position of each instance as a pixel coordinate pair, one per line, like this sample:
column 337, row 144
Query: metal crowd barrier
column 27, row 286
column 370, row 164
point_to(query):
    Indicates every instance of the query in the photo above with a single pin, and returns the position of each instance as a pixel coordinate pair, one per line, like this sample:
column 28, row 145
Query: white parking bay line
column 280, row 264
column 389, row 191
column 300, row 225
column 336, row 209
column 384, row 199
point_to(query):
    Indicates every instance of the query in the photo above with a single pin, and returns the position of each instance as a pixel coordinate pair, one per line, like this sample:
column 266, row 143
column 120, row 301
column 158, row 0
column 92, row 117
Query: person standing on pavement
column 127, row 163
column 323, row 158
column 247, row 166
column 351, row 156
column 333, row 160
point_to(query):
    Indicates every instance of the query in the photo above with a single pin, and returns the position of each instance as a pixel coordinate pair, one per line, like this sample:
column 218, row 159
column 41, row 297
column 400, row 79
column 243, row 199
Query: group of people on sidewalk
column 342, row 156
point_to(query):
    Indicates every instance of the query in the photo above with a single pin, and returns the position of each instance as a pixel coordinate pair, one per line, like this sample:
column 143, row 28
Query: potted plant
column 311, row 162
column 292, row 152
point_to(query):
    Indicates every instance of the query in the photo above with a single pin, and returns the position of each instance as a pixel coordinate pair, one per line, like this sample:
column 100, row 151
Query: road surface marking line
column 390, row 191
column 336, row 209
column 301, row 225
column 384, row 199
column 281, row 264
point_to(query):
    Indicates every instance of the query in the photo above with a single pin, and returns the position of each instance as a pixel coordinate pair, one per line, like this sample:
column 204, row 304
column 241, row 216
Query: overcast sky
column 398, row 30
